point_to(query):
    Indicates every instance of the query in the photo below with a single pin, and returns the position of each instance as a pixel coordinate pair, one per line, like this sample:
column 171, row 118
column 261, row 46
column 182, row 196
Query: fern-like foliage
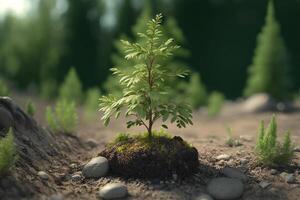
column 63, row 118
column 269, row 151
column 145, row 94
column 8, row 152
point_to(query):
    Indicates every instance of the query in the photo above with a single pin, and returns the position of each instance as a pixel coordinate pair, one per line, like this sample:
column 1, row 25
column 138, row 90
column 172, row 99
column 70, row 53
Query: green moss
column 124, row 142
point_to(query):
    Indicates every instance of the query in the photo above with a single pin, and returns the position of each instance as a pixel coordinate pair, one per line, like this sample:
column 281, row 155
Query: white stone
column 43, row 175
column 223, row 157
column 96, row 168
column 113, row 191
column 225, row 188
column 204, row 197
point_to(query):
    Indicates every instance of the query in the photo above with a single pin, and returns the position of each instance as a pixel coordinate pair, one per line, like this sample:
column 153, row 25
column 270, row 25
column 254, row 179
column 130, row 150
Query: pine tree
column 196, row 92
column 71, row 89
column 269, row 69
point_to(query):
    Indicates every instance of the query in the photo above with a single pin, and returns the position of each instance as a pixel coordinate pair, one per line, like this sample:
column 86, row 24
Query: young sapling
column 144, row 90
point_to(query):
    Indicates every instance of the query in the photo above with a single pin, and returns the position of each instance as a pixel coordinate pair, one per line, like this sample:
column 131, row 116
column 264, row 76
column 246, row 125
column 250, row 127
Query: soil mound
column 38, row 149
column 160, row 157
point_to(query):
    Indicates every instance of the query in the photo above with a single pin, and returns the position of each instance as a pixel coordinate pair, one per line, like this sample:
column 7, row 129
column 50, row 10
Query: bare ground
column 208, row 135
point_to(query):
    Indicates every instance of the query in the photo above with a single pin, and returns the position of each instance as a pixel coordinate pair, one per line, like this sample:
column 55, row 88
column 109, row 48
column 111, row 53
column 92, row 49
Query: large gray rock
column 113, row 191
column 225, row 188
column 96, row 168
column 259, row 103
column 235, row 173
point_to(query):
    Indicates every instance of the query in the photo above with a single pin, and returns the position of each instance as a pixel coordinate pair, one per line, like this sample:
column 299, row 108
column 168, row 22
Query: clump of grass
column 30, row 108
column 231, row 141
column 63, row 118
column 215, row 103
column 271, row 152
column 8, row 152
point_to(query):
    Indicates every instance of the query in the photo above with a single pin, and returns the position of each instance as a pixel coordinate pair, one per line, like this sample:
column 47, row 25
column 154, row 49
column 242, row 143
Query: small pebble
column 43, row 175
column 223, row 157
column 264, row 184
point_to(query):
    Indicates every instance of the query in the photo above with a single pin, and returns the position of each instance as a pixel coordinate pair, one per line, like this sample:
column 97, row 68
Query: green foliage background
column 219, row 38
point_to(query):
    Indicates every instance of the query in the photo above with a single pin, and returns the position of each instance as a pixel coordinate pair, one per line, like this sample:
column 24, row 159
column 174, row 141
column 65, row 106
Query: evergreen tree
column 269, row 69
column 71, row 89
column 196, row 92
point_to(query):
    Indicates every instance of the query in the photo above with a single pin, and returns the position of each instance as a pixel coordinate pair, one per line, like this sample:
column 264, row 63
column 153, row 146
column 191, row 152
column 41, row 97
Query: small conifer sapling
column 144, row 90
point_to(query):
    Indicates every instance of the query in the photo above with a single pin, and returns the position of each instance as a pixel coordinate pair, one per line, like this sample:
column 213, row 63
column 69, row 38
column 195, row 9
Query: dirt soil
column 159, row 157
column 208, row 135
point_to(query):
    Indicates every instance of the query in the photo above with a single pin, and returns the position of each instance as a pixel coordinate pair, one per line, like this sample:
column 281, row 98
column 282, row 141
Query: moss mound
column 158, row 157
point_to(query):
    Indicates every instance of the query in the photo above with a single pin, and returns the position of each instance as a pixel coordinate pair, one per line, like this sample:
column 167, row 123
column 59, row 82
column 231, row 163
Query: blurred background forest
column 41, row 40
